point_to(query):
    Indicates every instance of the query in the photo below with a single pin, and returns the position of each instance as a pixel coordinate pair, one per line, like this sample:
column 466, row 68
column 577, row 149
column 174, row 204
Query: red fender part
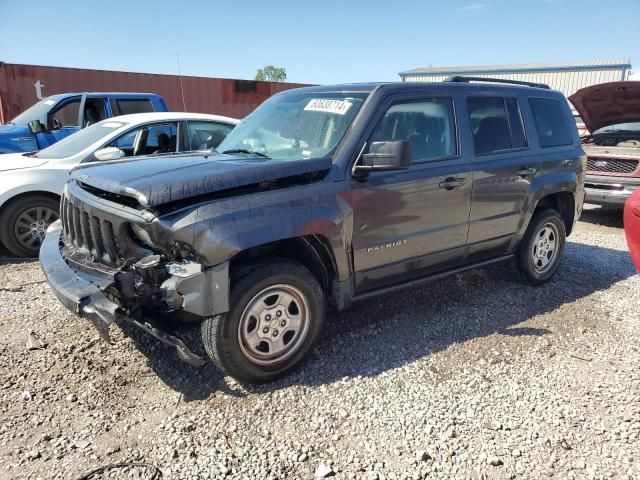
column 632, row 226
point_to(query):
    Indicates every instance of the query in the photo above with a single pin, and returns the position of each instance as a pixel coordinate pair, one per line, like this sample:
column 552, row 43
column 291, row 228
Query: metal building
column 567, row 77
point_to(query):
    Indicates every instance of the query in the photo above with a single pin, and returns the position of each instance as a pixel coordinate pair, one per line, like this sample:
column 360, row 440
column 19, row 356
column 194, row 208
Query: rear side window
column 551, row 122
column 496, row 124
column 126, row 107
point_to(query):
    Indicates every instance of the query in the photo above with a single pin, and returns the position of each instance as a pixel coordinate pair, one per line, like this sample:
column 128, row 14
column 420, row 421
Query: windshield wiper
column 244, row 150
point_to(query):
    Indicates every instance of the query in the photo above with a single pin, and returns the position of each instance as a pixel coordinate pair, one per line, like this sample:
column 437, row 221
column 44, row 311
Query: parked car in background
column 323, row 194
column 31, row 183
column 580, row 126
column 611, row 112
column 58, row 116
column 632, row 226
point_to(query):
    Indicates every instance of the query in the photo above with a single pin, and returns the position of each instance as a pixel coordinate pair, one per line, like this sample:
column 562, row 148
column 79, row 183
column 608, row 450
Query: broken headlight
column 142, row 235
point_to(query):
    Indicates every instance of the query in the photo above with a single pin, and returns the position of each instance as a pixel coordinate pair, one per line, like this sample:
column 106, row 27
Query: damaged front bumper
column 86, row 292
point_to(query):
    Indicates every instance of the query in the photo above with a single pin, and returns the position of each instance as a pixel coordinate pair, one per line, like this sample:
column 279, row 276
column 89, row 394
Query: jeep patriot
column 323, row 196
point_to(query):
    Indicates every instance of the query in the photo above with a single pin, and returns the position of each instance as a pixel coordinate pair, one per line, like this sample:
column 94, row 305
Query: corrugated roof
column 523, row 67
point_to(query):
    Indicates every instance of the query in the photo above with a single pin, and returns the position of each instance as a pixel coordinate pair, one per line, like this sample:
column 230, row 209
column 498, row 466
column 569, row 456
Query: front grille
column 612, row 165
column 86, row 230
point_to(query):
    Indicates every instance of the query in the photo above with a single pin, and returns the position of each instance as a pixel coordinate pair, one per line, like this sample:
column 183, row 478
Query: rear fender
column 541, row 187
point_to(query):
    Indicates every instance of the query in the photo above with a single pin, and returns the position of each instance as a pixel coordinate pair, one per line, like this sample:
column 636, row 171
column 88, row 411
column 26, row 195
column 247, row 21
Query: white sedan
column 31, row 183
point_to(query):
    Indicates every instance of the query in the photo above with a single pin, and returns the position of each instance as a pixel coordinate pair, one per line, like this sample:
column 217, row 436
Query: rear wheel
column 275, row 317
column 542, row 247
column 24, row 223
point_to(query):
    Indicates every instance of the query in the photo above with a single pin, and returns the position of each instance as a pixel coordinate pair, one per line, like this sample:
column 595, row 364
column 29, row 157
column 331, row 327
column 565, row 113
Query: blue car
column 58, row 116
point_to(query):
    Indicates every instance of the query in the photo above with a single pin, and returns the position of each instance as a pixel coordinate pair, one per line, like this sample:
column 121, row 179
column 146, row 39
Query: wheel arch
column 30, row 193
column 312, row 251
column 562, row 202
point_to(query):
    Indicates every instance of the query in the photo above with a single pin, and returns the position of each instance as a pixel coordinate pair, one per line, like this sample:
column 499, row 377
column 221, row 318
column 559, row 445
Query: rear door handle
column 451, row 183
column 523, row 172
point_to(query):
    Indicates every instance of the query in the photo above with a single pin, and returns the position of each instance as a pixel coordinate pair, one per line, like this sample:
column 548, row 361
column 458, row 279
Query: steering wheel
column 55, row 124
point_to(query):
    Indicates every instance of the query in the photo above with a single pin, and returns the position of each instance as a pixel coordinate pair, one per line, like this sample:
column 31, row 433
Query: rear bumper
column 609, row 190
column 83, row 293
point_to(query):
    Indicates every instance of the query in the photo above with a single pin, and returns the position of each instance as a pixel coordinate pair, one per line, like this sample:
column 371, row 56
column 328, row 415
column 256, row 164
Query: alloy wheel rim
column 544, row 249
column 274, row 324
column 31, row 226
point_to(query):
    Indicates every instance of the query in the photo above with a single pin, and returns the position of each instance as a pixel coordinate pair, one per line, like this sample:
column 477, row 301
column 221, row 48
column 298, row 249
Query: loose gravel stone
column 438, row 382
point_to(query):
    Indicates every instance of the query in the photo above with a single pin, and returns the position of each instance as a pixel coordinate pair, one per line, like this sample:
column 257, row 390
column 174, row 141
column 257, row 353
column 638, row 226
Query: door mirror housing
column 36, row 126
column 109, row 153
column 389, row 155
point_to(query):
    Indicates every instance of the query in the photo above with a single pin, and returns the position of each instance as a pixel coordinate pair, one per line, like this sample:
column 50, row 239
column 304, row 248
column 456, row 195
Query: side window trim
column 500, row 151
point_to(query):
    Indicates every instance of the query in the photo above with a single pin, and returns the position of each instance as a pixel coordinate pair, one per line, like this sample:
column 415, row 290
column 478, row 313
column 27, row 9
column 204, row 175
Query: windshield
column 295, row 126
column 35, row 112
column 620, row 127
column 77, row 142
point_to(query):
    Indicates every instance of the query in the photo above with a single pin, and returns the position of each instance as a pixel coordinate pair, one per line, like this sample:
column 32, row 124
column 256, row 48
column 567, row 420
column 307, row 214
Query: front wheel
column 24, row 223
column 542, row 247
column 275, row 317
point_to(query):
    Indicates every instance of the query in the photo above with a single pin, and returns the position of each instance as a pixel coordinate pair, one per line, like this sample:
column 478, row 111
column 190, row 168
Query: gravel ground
column 474, row 376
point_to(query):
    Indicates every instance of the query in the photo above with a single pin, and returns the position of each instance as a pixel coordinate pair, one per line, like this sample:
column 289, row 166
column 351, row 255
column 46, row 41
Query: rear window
column 126, row 107
column 551, row 122
column 496, row 124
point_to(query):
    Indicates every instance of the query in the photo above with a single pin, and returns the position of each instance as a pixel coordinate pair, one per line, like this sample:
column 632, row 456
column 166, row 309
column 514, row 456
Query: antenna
column 184, row 104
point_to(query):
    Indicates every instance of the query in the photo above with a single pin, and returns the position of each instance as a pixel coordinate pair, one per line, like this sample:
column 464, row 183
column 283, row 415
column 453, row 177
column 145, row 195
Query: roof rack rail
column 458, row 78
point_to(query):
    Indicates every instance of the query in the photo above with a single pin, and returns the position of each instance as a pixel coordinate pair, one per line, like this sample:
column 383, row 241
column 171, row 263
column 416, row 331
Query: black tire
column 221, row 335
column 12, row 212
column 532, row 271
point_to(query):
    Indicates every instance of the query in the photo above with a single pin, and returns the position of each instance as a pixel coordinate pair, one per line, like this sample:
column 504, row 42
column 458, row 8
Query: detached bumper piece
column 82, row 292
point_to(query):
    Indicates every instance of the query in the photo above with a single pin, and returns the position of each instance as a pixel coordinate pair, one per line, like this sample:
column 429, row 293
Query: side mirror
column 109, row 153
column 36, row 126
column 391, row 155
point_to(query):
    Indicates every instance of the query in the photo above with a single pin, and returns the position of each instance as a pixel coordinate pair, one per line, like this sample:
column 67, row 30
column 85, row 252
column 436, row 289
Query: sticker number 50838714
column 339, row 107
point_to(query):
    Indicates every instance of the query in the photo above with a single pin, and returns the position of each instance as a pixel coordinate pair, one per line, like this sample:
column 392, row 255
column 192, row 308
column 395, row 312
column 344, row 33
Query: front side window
column 295, row 126
column 551, row 122
column 207, row 135
column 148, row 140
column 496, row 124
column 428, row 125
column 65, row 115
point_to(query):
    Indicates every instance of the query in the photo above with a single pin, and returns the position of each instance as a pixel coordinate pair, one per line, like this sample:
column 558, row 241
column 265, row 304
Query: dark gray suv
column 322, row 196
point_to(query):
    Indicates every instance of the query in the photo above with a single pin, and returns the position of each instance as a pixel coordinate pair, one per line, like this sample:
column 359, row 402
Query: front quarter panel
column 220, row 229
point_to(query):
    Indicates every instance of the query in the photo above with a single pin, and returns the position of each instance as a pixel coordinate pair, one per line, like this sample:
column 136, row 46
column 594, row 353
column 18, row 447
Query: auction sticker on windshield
column 339, row 107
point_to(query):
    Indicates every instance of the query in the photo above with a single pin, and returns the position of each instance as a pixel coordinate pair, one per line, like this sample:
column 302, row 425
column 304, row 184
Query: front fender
column 219, row 230
column 17, row 140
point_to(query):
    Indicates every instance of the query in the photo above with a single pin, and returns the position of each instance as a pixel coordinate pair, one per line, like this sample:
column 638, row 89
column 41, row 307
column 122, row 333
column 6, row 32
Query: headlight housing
column 142, row 235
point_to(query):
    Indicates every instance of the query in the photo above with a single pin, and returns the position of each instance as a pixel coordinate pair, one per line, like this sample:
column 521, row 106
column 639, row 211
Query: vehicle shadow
column 605, row 216
column 393, row 330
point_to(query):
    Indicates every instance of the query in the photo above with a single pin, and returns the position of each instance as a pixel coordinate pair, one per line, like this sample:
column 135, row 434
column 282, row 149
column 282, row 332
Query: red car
column 632, row 226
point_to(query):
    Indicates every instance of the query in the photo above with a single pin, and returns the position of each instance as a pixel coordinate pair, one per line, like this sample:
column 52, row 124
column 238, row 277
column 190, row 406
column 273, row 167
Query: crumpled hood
column 158, row 181
column 17, row 161
column 608, row 104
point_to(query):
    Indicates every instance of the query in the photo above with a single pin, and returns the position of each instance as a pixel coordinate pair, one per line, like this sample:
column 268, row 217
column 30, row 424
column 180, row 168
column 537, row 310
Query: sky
column 322, row 42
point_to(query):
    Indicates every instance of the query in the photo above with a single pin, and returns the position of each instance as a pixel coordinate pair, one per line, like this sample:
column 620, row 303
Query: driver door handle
column 524, row 171
column 451, row 183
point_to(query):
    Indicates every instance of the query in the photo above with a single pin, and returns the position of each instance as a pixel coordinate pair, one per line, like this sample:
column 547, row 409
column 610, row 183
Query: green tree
column 271, row 74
